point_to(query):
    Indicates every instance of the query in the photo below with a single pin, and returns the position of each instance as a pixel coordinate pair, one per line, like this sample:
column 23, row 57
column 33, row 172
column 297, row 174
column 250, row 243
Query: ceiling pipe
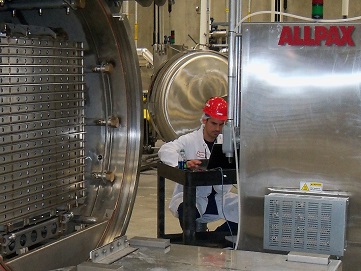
column 249, row 9
column 345, row 9
column 276, row 7
column 136, row 26
column 204, row 25
column 233, row 65
column 234, row 100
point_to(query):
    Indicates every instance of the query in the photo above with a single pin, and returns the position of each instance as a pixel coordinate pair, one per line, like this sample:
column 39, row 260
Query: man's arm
column 169, row 152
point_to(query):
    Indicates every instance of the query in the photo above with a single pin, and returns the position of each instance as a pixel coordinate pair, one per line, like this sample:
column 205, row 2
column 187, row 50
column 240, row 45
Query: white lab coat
column 195, row 148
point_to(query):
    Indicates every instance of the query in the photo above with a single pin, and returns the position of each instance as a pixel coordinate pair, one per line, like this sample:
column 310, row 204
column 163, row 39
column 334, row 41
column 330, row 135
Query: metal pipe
column 233, row 95
column 276, row 7
column 136, row 29
column 221, row 45
column 237, row 113
column 218, row 34
column 237, row 67
column 228, row 127
column 158, row 25
column 231, row 53
column 273, row 5
column 147, row 55
column 204, row 22
column 154, row 25
column 161, row 24
column 237, row 95
column 234, row 28
column 125, row 8
column 227, row 10
column 345, row 8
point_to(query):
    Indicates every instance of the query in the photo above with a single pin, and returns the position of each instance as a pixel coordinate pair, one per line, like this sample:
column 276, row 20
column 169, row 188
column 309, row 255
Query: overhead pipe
column 229, row 125
column 227, row 10
column 157, row 24
column 231, row 57
column 161, row 23
column 125, row 8
column 276, row 9
column 249, row 9
column 233, row 68
column 156, row 7
column 204, row 25
column 154, row 25
column 345, row 8
column 234, row 101
column 136, row 26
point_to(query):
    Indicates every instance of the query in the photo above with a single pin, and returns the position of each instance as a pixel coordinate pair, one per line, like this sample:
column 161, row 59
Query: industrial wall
column 184, row 17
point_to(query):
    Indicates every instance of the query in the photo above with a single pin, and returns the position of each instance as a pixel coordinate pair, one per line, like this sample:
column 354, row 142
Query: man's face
column 213, row 127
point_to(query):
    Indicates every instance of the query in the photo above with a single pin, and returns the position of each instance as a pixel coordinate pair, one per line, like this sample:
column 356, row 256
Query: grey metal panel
column 300, row 121
column 306, row 223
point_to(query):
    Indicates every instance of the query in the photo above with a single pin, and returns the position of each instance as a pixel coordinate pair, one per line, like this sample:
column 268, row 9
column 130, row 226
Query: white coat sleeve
column 169, row 152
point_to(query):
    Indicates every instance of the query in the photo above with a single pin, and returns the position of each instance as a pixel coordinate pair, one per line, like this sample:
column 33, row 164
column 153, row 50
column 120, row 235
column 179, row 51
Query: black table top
column 197, row 178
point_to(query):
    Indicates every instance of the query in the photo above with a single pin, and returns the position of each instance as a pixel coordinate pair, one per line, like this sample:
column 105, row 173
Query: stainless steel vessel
column 70, row 130
column 181, row 87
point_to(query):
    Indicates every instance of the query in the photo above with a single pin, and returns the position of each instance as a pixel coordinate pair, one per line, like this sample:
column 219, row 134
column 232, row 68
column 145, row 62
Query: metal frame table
column 190, row 180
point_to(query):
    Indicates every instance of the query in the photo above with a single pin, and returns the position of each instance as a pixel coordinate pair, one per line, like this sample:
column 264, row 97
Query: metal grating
column 41, row 129
column 305, row 223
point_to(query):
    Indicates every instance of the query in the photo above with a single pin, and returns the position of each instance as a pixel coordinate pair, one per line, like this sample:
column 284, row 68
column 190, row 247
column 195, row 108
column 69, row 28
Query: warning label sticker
column 311, row 186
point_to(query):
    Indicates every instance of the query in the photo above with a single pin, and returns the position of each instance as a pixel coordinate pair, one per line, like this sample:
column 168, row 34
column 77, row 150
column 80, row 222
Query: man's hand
column 193, row 164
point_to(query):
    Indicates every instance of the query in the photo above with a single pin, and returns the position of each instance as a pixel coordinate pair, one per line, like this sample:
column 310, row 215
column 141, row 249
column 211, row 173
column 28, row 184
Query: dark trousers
column 227, row 226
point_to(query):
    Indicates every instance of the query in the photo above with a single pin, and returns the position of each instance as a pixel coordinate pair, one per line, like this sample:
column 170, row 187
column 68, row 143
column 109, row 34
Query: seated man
column 212, row 202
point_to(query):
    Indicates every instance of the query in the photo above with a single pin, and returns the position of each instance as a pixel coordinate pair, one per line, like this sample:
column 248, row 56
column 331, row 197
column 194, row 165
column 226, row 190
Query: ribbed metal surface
column 41, row 129
column 305, row 223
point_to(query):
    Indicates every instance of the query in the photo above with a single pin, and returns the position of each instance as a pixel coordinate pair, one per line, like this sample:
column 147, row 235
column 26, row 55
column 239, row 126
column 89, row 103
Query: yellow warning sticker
column 311, row 186
column 305, row 187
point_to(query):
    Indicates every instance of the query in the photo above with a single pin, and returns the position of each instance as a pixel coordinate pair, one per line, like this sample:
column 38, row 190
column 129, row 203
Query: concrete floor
column 143, row 221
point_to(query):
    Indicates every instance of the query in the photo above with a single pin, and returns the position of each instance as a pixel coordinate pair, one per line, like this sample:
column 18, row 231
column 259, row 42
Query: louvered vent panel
column 305, row 223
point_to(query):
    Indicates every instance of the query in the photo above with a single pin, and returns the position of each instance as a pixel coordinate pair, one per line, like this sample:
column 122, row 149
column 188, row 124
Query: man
column 212, row 202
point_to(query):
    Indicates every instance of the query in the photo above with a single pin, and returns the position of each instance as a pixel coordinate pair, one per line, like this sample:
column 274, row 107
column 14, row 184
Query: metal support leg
column 160, row 206
column 189, row 215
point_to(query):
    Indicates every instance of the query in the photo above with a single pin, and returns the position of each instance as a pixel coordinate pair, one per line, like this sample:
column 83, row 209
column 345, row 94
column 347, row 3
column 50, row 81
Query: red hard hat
column 216, row 107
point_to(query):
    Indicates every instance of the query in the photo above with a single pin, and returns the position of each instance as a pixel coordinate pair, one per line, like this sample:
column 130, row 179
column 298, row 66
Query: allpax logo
column 317, row 35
